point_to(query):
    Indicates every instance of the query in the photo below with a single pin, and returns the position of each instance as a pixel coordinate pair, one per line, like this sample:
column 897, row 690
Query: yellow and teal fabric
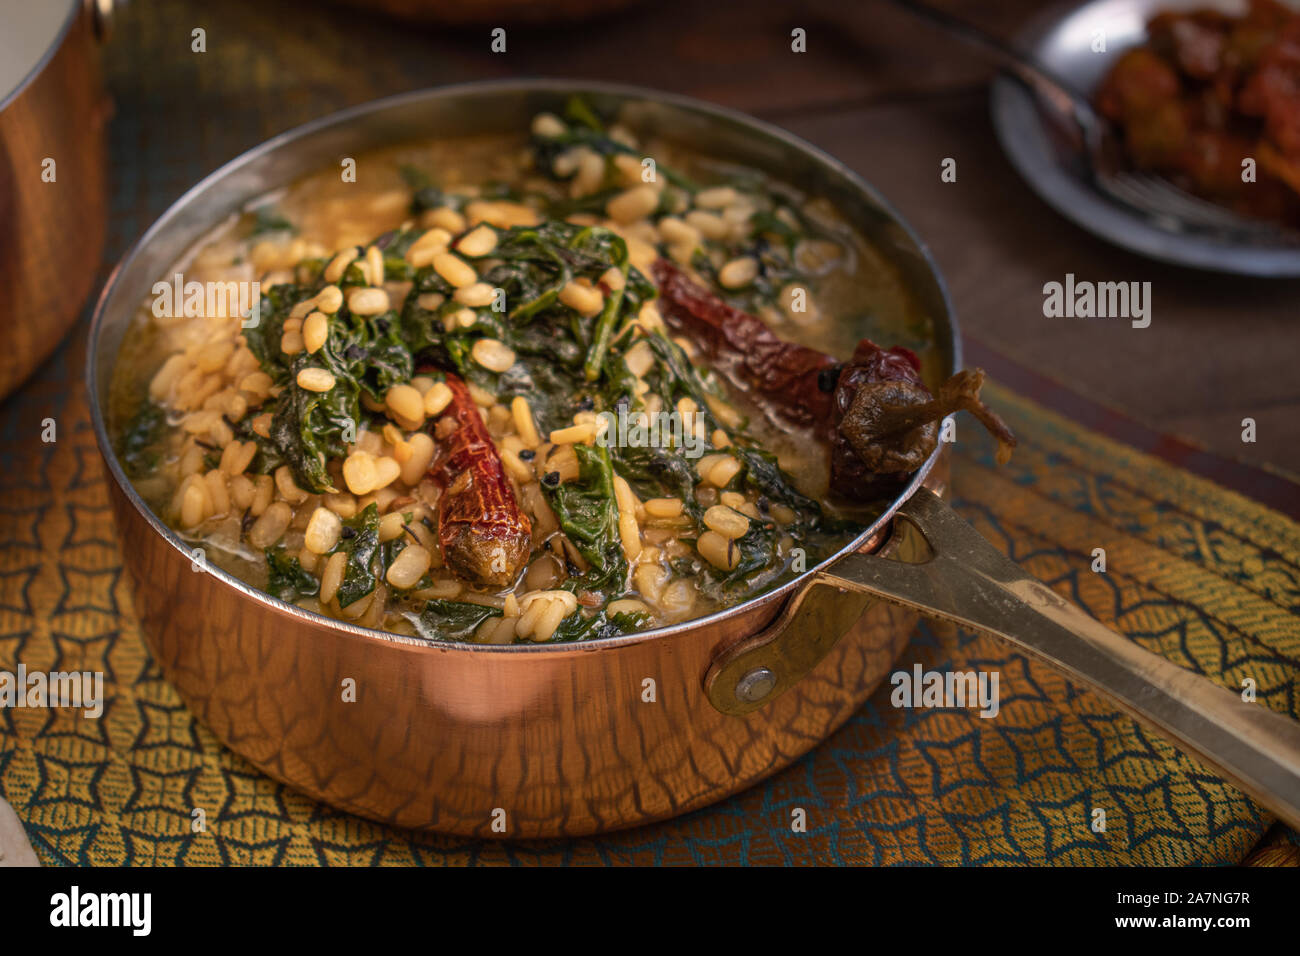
column 1194, row 572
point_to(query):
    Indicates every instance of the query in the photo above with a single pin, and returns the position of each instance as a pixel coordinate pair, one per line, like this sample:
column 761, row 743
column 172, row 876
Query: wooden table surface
column 892, row 98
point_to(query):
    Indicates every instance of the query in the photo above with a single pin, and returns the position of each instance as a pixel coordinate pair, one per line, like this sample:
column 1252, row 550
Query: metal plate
column 1062, row 41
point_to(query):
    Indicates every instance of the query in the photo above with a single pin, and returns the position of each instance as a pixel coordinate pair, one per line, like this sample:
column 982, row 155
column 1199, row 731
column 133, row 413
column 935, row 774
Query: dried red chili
column 484, row 534
column 874, row 411
column 783, row 376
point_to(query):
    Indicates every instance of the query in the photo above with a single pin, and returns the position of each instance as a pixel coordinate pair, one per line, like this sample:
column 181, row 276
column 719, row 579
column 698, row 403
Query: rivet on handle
column 755, row 685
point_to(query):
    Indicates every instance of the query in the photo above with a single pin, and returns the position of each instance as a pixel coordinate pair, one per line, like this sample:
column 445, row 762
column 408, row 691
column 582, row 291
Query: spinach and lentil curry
column 500, row 391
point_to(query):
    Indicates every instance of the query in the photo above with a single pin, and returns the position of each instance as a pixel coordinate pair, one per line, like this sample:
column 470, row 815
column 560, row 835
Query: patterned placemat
column 1196, row 573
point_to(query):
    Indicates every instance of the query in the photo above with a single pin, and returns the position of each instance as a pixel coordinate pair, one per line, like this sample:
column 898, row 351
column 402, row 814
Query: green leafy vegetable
column 588, row 514
column 268, row 457
column 308, row 428
column 268, row 219
column 365, row 355
column 598, row 625
column 425, row 195
column 137, row 448
column 609, row 315
column 264, row 338
column 360, row 542
column 757, row 548
column 285, row 577
column 452, row 620
column 578, row 112
column 585, row 128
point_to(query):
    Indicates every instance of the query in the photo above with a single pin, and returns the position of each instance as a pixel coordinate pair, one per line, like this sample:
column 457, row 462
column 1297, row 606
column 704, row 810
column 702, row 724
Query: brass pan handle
column 964, row 579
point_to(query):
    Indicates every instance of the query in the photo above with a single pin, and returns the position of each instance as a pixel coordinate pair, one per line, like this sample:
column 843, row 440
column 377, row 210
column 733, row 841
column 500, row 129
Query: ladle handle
column 967, row 581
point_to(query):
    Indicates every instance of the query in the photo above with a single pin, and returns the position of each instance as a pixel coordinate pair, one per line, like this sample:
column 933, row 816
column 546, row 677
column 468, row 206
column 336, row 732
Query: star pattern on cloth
column 1196, row 574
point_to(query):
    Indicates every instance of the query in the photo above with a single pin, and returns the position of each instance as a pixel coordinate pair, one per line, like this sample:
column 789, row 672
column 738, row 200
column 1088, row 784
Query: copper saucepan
column 53, row 173
column 573, row 739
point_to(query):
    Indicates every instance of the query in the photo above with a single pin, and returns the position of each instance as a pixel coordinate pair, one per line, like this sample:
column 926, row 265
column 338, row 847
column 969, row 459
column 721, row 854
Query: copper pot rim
column 870, row 538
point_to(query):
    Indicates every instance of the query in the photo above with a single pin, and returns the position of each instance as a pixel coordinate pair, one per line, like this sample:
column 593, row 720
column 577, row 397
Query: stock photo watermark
column 197, row 300
column 1083, row 299
column 82, row 690
column 673, row 429
column 948, row 691
column 75, row 908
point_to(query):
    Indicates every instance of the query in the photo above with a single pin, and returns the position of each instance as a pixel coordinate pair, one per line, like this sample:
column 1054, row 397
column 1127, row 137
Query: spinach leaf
column 389, row 550
column 452, row 620
column 590, row 203
column 588, row 514
column 610, row 247
column 638, row 290
column 267, row 458
column 422, row 329
column 582, row 627
column 365, row 354
column 137, row 447
column 425, row 195
column 360, row 542
column 268, row 219
column 757, row 548
column 264, row 338
column 584, row 127
column 655, row 472
column 533, row 267
column 308, row 428
column 764, row 475
column 394, row 246
column 369, row 352
column 285, row 577
column 578, row 112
